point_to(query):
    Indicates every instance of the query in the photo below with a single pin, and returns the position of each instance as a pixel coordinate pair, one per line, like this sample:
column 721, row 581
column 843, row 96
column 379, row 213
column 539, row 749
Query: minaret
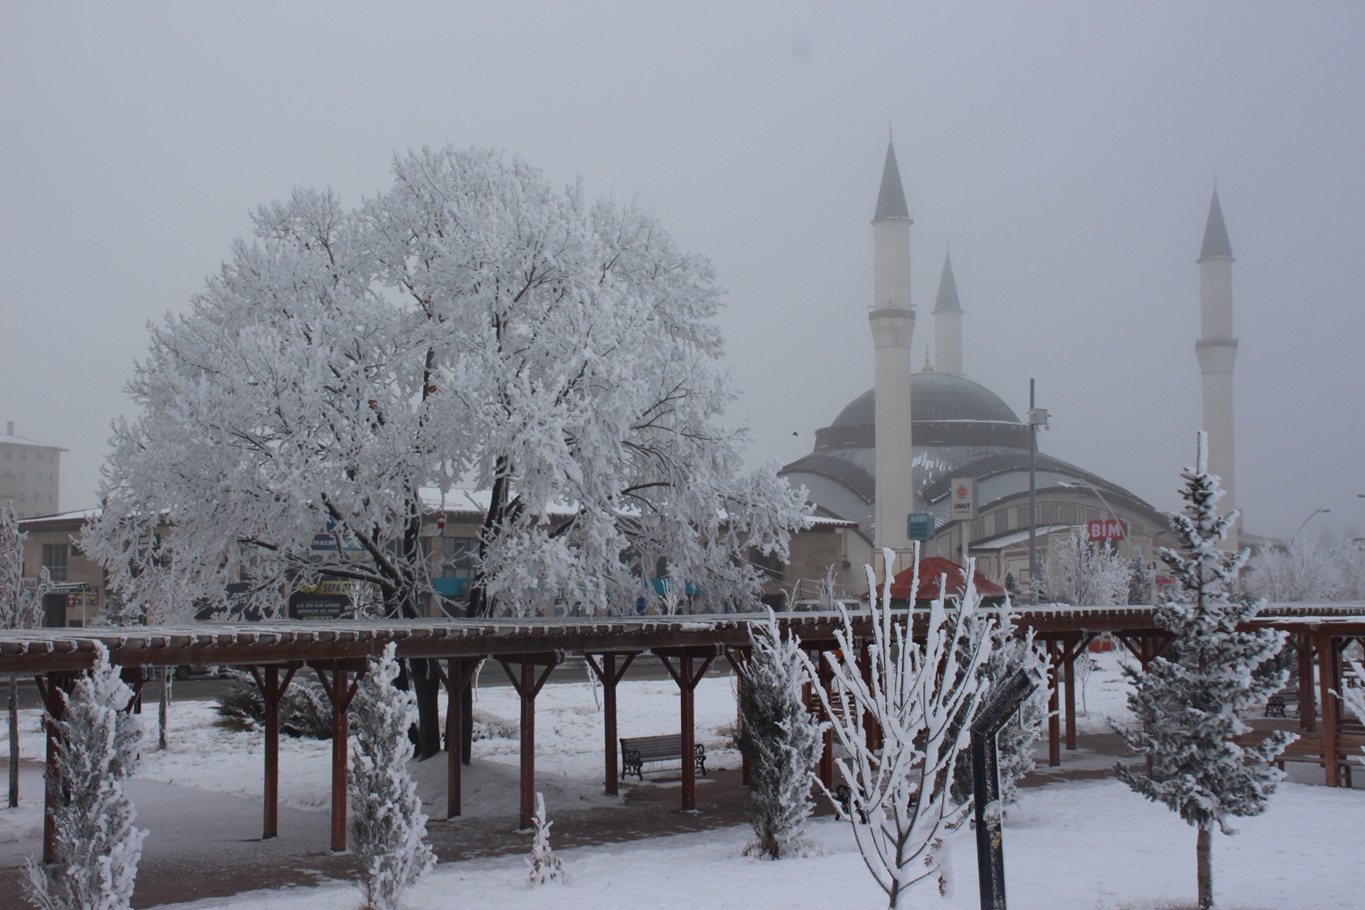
column 1217, row 351
column 893, row 332
column 948, row 322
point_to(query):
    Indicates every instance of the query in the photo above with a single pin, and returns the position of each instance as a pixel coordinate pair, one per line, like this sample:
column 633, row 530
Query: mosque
column 932, row 444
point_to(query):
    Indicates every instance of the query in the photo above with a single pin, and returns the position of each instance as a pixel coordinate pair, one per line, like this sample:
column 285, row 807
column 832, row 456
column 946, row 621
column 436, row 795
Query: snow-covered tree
column 1140, row 581
column 21, row 607
column 779, row 738
column 1012, row 650
column 1086, row 573
column 1302, row 570
column 97, row 846
column 544, row 865
column 921, row 699
column 1189, row 704
column 1351, row 568
column 471, row 324
column 388, row 825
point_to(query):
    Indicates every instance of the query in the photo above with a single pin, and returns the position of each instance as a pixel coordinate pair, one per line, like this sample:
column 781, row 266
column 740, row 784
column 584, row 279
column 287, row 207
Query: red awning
column 931, row 568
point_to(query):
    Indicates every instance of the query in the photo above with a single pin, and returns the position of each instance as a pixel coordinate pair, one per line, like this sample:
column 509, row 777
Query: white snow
column 1069, row 846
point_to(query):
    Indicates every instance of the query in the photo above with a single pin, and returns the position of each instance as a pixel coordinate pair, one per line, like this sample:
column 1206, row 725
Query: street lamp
column 1037, row 417
column 1318, row 511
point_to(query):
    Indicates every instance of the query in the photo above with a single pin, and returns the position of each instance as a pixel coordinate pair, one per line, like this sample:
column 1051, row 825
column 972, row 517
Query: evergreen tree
column 1188, row 706
column 779, row 738
column 97, row 846
column 387, row 823
column 1140, row 581
column 545, row 866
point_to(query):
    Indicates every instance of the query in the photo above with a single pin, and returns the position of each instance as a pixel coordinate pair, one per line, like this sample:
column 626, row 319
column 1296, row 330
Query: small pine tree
column 1140, row 580
column 1188, row 706
column 387, row 824
column 779, row 739
column 97, row 846
column 545, row 866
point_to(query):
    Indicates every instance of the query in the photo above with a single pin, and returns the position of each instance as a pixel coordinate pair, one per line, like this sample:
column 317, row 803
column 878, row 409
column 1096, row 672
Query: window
column 54, row 560
column 767, row 563
column 22, row 477
column 1047, row 513
column 1067, row 514
column 978, row 529
column 459, row 557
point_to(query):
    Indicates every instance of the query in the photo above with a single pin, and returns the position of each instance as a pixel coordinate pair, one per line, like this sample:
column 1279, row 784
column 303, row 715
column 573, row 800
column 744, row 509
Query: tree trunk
column 426, row 685
column 13, row 741
column 167, row 674
column 1204, row 852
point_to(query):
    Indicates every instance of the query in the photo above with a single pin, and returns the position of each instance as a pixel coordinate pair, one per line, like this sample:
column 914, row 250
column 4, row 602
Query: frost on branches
column 387, row 822
column 1188, row 706
column 544, row 865
column 779, row 738
column 1084, row 573
column 1353, row 696
column 97, row 847
column 922, row 699
column 21, row 607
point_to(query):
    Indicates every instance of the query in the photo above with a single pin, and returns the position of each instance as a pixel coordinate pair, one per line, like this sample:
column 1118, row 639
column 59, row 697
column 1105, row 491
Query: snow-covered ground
column 1081, row 845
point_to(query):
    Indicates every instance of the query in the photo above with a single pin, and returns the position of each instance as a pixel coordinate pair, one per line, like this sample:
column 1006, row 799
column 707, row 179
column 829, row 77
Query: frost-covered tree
column 921, row 699
column 544, row 865
column 97, row 846
column 1082, row 572
column 471, row 324
column 21, row 607
column 779, row 738
column 1351, row 568
column 1012, row 650
column 388, row 825
column 1140, row 581
column 1302, row 570
column 1189, row 704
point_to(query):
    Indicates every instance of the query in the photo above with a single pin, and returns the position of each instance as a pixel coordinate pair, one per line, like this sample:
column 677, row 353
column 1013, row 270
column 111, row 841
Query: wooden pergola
column 528, row 649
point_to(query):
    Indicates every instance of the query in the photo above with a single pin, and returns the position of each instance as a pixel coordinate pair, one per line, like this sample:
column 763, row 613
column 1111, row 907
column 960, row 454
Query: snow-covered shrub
column 900, row 800
column 388, row 826
column 1304, row 570
column 1353, row 697
column 1189, row 704
column 1140, row 581
column 305, row 710
column 544, row 865
column 779, row 738
column 97, row 847
column 1083, row 572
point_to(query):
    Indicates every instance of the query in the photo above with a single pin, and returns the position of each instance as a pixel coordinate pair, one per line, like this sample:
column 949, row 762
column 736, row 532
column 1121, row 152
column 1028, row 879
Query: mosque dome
column 947, row 411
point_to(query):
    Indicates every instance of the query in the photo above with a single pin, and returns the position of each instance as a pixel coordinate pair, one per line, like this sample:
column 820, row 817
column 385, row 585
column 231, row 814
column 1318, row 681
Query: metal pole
column 1032, row 501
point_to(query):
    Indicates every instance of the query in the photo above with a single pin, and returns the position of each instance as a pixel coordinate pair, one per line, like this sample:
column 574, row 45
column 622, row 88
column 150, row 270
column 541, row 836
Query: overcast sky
column 1067, row 152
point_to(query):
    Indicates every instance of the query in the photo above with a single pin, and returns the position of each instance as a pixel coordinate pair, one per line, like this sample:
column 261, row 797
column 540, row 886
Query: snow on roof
column 16, row 440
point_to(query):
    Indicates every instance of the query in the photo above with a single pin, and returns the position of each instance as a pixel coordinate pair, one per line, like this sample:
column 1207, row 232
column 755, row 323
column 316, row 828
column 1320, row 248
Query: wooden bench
column 637, row 751
column 1274, row 706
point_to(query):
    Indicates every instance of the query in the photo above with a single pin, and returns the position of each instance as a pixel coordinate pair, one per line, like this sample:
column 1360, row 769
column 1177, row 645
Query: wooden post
column 609, row 675
column 1054, row 732
column 272, row 691
column 340, row 693
column 826, row 766
column 1308, row 703
column 1069, row 669
column 51, row 688
column 528, row 686
column 1328, row 666
column 687, row 682
column 456, row 677
column 739, row 658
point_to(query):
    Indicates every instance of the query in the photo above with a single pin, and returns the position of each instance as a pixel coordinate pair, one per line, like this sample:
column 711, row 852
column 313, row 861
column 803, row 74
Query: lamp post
column 1036, row 417
column 1318, row 511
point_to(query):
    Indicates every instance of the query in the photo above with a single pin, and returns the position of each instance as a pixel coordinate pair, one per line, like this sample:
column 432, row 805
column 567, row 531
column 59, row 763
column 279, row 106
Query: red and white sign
column 1107, row 529
column 964, row 499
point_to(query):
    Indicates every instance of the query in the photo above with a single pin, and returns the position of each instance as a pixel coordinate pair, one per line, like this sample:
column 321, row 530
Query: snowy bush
column 544, row 865
column 387, row 823
column 97, row 847
column 921, row 700
column 1082, row 572
column 305, row 710
column 779, row 738
column 1304, row 570
column 1189, row 704
column 1353, row 696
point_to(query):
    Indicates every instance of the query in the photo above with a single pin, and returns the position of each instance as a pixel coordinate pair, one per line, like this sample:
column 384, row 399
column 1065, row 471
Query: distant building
column 78, row 592
column 918, row 440
column 30, row 475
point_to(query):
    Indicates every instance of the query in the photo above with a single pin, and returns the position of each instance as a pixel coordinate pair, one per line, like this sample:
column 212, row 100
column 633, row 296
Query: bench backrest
column 653, row 748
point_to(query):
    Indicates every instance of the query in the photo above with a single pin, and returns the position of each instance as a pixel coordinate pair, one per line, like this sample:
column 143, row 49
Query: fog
column 1067, row 152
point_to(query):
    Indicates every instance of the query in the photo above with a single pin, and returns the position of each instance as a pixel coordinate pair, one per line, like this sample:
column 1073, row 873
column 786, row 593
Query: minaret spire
column 892, row 321
column 948, row 322
column 1217, row 353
